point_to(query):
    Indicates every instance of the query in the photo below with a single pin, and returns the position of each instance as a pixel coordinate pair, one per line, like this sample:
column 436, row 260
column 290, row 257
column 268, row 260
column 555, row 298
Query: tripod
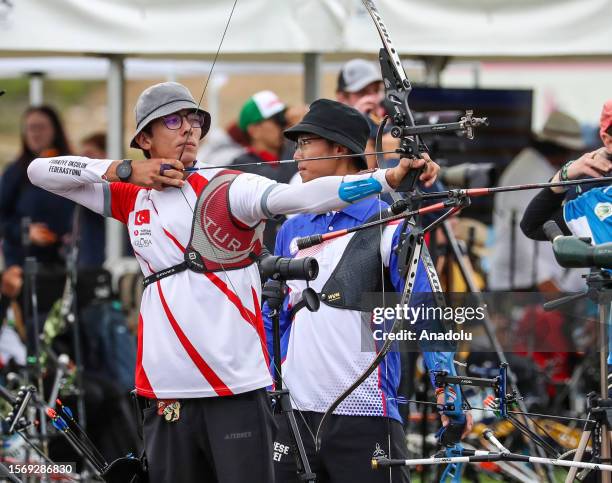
column 274, row 291
column 599, row 424
column 30, row 302
column 467, row 271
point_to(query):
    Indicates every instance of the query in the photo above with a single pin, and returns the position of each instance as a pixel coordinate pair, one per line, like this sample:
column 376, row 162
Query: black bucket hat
column 335, row 122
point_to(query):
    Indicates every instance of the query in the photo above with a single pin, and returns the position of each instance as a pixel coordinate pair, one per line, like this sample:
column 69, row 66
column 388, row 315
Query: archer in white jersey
column 200, row 334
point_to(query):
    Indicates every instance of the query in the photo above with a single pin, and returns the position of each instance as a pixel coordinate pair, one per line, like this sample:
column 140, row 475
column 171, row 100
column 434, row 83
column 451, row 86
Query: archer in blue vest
column 589, row 214
column 323, row 352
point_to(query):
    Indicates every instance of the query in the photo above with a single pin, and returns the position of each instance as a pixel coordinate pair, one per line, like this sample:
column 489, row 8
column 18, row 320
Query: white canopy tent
column 295, row 30
column 268, row 28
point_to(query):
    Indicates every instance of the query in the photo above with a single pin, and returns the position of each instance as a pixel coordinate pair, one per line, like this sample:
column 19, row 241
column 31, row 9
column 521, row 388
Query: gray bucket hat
column 163, row 99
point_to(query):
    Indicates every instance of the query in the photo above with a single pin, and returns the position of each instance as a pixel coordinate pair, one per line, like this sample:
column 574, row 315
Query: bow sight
column 466, row 124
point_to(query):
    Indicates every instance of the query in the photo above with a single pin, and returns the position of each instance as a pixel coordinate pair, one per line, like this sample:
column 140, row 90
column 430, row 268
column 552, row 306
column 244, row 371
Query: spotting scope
column 576, row 252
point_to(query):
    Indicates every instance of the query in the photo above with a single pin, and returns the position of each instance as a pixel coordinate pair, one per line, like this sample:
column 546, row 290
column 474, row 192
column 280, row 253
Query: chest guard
column 357, row 272
column 218, row 241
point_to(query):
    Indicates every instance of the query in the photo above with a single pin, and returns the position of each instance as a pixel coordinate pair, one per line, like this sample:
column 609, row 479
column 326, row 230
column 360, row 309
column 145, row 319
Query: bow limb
column 397, row 89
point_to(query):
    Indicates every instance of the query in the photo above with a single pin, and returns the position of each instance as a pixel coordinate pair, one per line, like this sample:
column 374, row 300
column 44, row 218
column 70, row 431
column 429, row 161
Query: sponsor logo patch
column 379, row 452
column 603, row 210
column 170, row 409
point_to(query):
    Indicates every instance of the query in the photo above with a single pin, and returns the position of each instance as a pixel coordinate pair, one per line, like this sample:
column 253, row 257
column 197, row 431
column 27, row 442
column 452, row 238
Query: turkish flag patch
column 142, row 217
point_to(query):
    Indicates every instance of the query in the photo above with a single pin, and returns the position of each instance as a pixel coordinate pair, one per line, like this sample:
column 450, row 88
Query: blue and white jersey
column 590, row 215
column 322, row 352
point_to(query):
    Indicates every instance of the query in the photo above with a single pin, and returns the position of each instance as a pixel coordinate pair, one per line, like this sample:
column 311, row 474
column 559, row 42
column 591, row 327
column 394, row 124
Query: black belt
column 185, row 265
column 181, row 267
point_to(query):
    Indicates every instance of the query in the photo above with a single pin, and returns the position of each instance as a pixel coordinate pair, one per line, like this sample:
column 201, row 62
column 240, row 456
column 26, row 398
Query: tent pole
column 433, row 69
column 312, row 77
column 114, row 145
column 213, row 98
column 37, row 80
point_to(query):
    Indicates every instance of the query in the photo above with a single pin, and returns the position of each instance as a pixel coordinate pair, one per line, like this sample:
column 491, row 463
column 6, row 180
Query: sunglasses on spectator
column 175, row 121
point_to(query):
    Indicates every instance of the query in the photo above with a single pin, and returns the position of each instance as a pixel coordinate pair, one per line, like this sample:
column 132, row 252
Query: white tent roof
column 492, row 28
column 96, row 68
column 156, row 27
column 468, row 28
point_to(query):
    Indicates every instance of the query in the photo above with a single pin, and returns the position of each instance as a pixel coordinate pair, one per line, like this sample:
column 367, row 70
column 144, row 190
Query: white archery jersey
column 199, row 335
column 329, row 349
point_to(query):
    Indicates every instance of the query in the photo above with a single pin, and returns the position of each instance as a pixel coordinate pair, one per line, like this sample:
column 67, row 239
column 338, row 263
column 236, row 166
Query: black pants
column 217, row 439
column 348, row 445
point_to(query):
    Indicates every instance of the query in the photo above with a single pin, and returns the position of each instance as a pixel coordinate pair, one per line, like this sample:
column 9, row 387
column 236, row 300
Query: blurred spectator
column 94, row 146
column 222, row 146
column 42, row 135
column 471, row 238
column 93, row 228
column 587, row 215
column 517, row 262
column 293, row 115
column 262, row 120
column 360, row 85
column 106, row 343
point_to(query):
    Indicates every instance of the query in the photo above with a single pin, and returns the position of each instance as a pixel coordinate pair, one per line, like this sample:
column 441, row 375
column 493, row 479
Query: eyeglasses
column 303, row 142
column 175, row 121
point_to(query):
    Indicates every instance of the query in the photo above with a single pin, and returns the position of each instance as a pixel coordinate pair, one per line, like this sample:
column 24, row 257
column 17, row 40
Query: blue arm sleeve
column 434, row 360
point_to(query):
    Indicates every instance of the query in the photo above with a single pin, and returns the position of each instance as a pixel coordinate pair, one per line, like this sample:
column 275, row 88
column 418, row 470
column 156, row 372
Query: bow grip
column 410, row 147
column 409, row 182
column 309, row 241
column 164, row 167
column 450, row 434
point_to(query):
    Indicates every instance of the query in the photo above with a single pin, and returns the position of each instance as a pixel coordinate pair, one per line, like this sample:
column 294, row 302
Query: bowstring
column 225, row 272
column 382, row 285
column 210, row 73
column 384, row 304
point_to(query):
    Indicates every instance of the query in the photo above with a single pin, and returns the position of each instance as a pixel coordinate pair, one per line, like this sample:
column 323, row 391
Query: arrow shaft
column 483, row 456
column 287, row 161
column 475, row 192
